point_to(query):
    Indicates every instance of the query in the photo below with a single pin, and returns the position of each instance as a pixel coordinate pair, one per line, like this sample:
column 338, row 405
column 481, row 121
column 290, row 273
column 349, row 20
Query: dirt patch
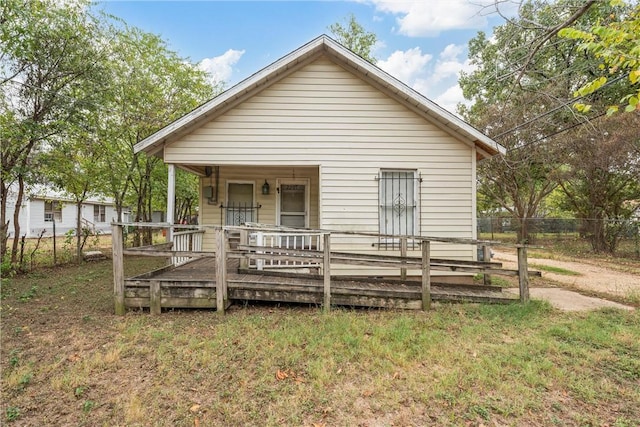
column 588, row 277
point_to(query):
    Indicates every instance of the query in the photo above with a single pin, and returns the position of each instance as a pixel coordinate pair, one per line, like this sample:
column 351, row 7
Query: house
column 44, row 208
column 323, row 139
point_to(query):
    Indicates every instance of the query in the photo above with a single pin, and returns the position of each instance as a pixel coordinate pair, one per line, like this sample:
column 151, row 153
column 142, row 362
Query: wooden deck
column 240, row 269
column 194, row 285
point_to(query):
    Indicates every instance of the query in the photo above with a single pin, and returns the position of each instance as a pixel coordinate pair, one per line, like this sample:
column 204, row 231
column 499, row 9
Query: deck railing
column 314, row 248
column 284, row 240
column 186, row 241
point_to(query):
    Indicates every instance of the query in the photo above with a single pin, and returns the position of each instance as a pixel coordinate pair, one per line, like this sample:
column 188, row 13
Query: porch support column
column 171, row 199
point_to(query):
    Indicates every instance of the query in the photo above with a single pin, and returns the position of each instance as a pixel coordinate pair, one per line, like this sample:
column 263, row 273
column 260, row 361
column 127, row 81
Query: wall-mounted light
column 265, row 188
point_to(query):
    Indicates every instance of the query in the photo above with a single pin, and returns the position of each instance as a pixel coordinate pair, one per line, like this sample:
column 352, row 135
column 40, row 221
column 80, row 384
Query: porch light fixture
column 265, row 188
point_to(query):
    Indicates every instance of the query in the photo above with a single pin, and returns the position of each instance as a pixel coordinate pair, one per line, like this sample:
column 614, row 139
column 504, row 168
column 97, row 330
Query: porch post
column 171, row 199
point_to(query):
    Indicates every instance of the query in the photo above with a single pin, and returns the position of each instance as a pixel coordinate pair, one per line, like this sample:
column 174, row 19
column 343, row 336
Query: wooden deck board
column 193, row 285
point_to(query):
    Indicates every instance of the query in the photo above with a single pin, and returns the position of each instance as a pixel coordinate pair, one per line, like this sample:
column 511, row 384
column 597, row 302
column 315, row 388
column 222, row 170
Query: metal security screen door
column 398, row 196
column 240, row 207
column 293, row 203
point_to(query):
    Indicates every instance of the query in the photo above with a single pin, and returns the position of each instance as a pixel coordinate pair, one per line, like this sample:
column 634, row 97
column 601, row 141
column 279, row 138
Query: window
column 52, row 211
column 99, row 213
column 398, row 207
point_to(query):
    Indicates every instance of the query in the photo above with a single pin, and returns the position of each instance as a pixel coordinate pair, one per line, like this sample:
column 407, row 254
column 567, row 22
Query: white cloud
column 437, row 80
column 450, row 98
column 429, row 18
column 220, row 68
column 407, row 65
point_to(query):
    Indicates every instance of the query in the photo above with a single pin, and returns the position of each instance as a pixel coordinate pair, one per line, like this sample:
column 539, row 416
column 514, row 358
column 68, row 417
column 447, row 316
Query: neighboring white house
column 324, row 139
column 42, row 207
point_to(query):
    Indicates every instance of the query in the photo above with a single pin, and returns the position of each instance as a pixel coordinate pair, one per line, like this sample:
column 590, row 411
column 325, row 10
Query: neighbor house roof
column 322, row 45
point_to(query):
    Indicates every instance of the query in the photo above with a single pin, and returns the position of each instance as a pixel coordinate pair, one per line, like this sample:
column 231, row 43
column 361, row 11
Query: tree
column 525, row 74
column 150, row 87
column 354, row 37
column 48, row 50
column 617, row 45
column 601, row 179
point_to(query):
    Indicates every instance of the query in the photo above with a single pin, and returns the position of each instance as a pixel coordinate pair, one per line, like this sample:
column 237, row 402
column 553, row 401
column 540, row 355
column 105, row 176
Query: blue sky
column 422, row 43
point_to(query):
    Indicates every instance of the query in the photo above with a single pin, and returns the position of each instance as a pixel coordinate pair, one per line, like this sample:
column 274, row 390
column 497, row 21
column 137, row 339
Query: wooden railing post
column 403, row 254
column 326, row 272
column 155, row 306
column 117, row 246
column 523, row 274
column 486, row 257
column 426, row 275
column 221, row 270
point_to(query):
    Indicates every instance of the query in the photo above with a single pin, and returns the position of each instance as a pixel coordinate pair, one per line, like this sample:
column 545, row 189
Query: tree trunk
column 79, row 231
column 4, row 223
column 16, row 220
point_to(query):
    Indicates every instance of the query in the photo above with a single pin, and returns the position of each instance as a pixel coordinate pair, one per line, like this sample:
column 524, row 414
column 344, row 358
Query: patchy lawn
column 67, row 360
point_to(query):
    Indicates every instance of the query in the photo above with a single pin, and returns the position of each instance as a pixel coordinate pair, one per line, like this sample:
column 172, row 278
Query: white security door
column 293, row 203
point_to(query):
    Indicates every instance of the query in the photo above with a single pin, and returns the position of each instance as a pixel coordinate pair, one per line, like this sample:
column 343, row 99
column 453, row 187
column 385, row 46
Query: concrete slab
column 567, row 300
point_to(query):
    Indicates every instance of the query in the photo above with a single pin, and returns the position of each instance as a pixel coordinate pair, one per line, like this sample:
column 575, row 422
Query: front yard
column 67, row 360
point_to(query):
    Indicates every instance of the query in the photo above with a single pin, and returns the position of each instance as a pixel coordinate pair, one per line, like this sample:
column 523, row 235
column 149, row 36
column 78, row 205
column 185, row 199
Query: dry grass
column 66, row 360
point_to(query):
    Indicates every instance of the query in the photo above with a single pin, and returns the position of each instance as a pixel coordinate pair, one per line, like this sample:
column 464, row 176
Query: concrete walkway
column 567, row 300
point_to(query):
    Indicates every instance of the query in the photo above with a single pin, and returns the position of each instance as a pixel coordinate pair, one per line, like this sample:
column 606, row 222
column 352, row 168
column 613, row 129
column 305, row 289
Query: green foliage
column 617, row 45
column 87, row 406
column 523, row 75
column 354, row 37
column 12, row 413
column 28, row 295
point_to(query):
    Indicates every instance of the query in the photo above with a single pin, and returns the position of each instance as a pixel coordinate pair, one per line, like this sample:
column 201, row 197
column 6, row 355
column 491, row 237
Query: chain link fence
column 547, row 230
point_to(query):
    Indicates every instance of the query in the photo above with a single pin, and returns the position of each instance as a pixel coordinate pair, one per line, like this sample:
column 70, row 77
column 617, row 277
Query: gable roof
column 486, row 147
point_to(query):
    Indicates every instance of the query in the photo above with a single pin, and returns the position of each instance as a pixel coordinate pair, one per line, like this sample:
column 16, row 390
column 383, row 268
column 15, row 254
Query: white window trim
column 49, row 216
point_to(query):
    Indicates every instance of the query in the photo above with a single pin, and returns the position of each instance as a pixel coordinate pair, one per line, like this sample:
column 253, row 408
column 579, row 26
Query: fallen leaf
column 195, row 408
column 281, row 375
column 73, row 357
column 367, row 393
column 395, row 375
column 196, row 422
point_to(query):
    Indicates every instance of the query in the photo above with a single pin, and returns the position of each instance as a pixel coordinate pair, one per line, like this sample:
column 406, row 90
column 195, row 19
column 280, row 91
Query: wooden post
column 118, row 268
column 486, row 257
column 523, row 274
column 326, row 272
column 171, row 199
column 244, row 241
column 426, row 275
column 403, row 254
column 221, row 271
column 155, row 306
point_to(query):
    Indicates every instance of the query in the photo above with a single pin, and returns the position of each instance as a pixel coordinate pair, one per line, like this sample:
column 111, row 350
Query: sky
column 423, row 43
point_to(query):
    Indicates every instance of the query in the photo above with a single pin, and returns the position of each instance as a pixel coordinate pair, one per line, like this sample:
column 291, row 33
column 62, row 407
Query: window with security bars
column 398, row 194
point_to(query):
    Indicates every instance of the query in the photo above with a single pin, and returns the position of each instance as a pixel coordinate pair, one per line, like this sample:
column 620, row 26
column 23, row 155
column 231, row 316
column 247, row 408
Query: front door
column 293, row 203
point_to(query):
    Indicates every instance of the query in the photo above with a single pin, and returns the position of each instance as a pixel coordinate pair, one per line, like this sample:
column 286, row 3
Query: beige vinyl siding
column 323, row 115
